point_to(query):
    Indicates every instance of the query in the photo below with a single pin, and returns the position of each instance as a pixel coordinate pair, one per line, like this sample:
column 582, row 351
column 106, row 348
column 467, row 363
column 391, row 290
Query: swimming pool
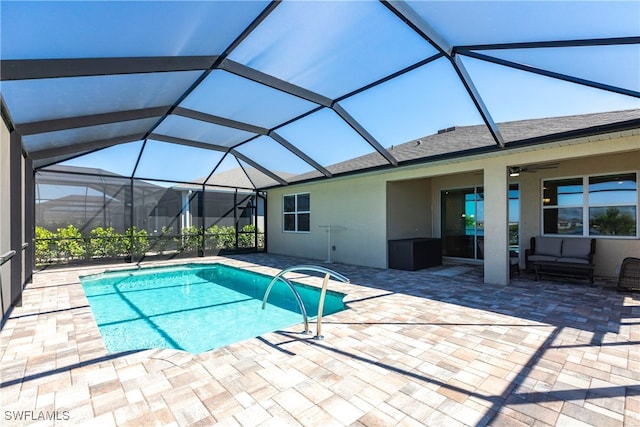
column 194, row 307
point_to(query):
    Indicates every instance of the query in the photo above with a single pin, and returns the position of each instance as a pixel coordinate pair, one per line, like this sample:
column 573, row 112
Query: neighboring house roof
column 237, row 177
column 99, row 178
column 459, row 140
column 82, row 170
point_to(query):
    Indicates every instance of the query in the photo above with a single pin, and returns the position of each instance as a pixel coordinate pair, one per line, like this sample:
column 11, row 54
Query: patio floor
column 435, row 347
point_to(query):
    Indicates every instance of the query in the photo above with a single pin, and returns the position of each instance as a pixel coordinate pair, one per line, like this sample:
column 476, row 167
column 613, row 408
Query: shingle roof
column 461, row 139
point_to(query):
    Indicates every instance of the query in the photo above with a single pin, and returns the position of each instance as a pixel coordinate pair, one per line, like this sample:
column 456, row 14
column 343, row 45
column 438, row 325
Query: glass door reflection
column 463, row 222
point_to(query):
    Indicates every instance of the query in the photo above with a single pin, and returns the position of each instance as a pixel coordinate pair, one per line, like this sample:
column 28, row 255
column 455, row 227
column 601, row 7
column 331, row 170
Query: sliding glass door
column 514, row 219
column 462, row 222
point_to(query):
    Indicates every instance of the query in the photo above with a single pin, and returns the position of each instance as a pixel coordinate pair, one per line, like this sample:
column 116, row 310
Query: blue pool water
column 194, row 307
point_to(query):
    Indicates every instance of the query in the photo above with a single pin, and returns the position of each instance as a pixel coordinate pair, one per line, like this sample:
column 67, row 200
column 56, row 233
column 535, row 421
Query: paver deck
column 435, row 347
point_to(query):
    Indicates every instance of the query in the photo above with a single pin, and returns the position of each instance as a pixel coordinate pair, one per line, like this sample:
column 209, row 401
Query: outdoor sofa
column 561, row 256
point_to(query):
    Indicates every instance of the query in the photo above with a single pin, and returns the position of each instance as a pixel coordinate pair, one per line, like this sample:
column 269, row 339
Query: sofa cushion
column 533, row 258
column 573, row 260
column 576, row 248
column 551, row 246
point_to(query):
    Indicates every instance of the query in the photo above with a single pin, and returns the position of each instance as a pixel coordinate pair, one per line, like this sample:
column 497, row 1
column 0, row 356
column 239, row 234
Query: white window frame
column 585, row 206
column 296, row 212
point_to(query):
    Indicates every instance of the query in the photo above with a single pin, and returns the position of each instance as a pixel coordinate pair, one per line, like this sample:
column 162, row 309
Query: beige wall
column 363, row 203
column 409, row 209
column 5, row 200
column 357, row 204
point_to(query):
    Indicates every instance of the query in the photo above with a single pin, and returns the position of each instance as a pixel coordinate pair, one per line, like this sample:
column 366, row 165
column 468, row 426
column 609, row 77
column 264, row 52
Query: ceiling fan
column 516, row 170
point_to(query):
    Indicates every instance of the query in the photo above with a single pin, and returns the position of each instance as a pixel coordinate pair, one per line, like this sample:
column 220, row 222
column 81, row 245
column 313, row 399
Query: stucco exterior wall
column 358, row 205
column 5, row 218
column 371, row 214
column 409, row 209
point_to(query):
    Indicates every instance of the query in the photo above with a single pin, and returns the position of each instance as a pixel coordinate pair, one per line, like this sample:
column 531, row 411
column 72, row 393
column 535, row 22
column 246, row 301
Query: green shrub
column 160, row 242
column 190, row 239
column 45, row 246
column 70, row 243
column 246, row 237
column 141, row 242
column 220, row 237
column 105, row 242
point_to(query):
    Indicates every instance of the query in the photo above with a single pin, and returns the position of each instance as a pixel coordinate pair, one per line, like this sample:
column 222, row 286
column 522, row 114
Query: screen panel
column 122, row 29
column 119, row 159
column 616, row 65
column 414, row 105
column 326, row 138
column 331, row 48
column 47, row 99
column 197, row 130
column 512, row 94
column 227, row 95
column 273, row 156
column 69, row 137
column 229, row 173
column 176, row 162
column 482, row 22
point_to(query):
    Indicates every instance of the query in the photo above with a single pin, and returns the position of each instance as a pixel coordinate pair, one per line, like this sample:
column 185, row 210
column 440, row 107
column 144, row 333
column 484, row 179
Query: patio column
column 496, row 225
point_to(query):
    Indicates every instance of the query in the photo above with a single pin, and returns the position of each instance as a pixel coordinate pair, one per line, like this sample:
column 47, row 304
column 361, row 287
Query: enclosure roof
column 256, row 94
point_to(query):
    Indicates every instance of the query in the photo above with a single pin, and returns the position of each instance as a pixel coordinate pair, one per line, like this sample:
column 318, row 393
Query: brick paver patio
column 435, row 347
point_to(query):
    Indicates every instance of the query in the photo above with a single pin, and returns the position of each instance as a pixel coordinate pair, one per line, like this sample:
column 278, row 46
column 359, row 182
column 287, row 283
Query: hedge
column 68, row 243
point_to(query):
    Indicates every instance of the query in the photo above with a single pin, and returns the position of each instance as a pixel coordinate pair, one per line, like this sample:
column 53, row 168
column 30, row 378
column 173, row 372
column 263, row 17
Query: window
column 297, row 212
column 608, row 204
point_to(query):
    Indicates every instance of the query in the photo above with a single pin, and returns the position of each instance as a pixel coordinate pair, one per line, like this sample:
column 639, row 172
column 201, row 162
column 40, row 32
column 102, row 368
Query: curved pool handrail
column 295, row 293
column 328, row 274
column 317, row 268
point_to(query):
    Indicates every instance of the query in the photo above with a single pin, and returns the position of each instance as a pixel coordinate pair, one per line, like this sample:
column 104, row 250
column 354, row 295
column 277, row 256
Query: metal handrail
column 295, row 293
column 7, row 256
column 323, row 292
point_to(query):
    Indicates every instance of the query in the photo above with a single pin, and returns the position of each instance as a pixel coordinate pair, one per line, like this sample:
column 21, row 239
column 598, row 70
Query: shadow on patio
column 574, row 318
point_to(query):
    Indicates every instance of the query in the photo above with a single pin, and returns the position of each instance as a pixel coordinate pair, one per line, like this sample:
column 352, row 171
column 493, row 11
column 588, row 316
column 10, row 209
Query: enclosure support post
column 29, row 218
column 201, row 212
column 255, row 221
column 129, row 200
column 266, row 235
column 235, row 215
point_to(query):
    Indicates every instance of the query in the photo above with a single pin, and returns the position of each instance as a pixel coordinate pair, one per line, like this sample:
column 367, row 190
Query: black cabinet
column 415, row 254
